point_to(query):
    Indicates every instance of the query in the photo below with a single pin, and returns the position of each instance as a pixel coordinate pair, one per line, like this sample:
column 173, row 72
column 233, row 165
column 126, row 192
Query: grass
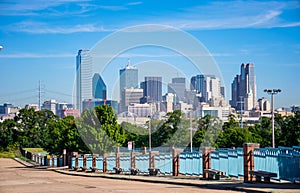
column 14, row 152
column 7, row 154
column 34, row 150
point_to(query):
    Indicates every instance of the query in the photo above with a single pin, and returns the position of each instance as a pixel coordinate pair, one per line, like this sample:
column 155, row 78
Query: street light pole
column 191, row 132
column 150, row 127
column 149, row 133
column 272, row 93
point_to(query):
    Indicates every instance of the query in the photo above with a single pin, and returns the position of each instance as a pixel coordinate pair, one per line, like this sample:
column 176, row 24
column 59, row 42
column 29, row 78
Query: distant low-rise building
column 139, row 110
column 221, row 112
column 70, row 112
column 50, row 105
column 92, row 103
column 32, row 106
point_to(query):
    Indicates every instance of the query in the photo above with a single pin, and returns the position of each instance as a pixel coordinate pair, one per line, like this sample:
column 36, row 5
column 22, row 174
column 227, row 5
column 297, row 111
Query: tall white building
column 84, row 71
column 212, row 88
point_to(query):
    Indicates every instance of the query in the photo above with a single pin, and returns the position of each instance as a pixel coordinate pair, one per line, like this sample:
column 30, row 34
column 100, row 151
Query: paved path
column 15, row 177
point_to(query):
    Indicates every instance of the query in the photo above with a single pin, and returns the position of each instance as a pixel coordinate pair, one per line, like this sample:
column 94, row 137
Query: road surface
column 15, row 177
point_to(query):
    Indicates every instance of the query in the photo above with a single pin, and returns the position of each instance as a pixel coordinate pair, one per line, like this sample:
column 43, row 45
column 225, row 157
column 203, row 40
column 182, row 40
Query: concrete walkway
column 236, row 185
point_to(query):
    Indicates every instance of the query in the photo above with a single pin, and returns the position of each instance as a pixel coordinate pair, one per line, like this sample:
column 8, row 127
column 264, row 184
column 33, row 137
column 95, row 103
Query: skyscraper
column 208, row 86
column 178, row 87
column 130, row 96
column 152, row 88
column 83, row 77
column 99, row 87
column 243, row 89
column 128, row 77
column 128, row 80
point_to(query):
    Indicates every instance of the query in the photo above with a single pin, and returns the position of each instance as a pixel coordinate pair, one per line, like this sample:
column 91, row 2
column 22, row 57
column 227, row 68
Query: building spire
column 128, row 62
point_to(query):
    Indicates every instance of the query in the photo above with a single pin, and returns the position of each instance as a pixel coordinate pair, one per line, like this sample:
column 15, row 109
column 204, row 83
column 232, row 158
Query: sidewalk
column 236, row 185
column 209, row 184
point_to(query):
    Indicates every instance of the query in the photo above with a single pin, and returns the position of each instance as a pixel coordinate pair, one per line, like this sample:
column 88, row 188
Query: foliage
column 33, row 126
column 93, row 133
column 98, row 128
column 64, row 135
column 8, row 134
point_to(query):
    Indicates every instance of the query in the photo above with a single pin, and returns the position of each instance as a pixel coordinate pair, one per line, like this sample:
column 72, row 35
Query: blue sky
column 41, row 39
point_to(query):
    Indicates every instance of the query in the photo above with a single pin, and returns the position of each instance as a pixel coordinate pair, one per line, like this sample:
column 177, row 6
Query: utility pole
column 40, row 93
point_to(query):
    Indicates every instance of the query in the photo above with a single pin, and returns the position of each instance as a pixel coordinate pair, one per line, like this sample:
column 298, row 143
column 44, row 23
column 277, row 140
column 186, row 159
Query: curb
column 205, row 186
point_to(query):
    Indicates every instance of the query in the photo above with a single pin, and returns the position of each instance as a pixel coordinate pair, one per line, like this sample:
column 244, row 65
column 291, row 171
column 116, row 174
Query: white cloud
column 135, row 3
column 31, row 7
column 45, row 28
column 37, row 55
column 160, row 55
column 229, row 15
column 214, row 15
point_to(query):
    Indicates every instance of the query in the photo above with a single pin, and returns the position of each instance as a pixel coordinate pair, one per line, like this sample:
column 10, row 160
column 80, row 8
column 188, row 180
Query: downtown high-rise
column 152, row 87
column 128, row 80
column 208, row 86
column 99, row 87
column 243, row 89
column 84, row 70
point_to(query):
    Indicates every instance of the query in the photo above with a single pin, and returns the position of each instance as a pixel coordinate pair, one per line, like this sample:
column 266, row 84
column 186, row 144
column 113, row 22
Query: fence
column 230, row 161
column 191, row 163
column 164, row 163
column 284, row 161
column 142, row 162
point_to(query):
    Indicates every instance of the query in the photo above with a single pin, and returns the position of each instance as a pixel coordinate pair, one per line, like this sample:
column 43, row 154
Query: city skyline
column 38, row 45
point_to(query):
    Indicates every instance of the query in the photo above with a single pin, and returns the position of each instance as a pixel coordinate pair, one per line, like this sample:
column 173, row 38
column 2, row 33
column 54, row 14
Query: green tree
column 63, row 134
column 290, row 130
column 167, row 130
column 8, row 134
column 32, row 126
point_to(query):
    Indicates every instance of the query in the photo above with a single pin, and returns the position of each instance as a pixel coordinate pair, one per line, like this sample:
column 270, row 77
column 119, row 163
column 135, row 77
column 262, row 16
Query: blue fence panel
column 125, row 163
column 182, row 163
column 99, row 163
column 259, row 159
column 142, row 162
column 50, row 161
column 285, row 160
column 189, row 163
column 197, row 163
column 223, row 161
column 215, row 162
column 60, row 161
column 164, row 163
column 272, row 164
column 168, row 163
column 80, row 162
column 43, row 161
column 233, row 165
column 240, row 154
column 296, row 163
column 89, row 162
column 56, row 161
column 72, row 162
column 111, row 163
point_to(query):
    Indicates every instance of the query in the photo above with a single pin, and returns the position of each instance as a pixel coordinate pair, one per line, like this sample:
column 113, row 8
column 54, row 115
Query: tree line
column 97, row 131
